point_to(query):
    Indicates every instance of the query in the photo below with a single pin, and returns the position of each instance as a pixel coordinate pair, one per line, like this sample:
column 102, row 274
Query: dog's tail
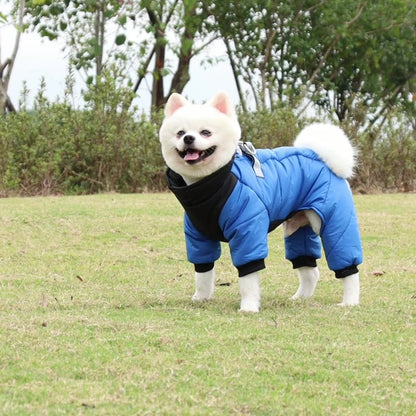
column 331, row 145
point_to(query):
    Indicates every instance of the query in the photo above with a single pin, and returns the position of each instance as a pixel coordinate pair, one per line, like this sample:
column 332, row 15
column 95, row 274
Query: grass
column 96, row 318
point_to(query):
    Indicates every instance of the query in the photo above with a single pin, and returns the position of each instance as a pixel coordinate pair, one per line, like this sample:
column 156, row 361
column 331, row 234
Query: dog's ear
column 222, row 103
column 174, row 102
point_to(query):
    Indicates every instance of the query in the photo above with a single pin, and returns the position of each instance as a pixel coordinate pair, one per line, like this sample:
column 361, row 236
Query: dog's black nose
column 188, row 139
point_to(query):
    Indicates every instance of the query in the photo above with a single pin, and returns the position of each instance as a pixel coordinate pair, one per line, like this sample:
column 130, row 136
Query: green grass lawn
column 96, row 318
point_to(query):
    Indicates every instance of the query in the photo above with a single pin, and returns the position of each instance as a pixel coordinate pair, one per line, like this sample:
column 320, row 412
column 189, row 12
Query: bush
column 267, row 129
column 107, row 148
column 387, row 159
column 56, row 149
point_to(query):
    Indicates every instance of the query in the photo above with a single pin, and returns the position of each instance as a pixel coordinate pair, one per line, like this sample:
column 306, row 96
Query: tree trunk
column 235, row 74
column 3, row 98
column 157, row 88
column 7, row 66
column 160, row 48
column 99, row 35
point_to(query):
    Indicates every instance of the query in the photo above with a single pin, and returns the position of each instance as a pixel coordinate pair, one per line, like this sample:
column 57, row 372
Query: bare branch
column 12, row 59
column 143, row 70
column 6, row 67
column 235, row 74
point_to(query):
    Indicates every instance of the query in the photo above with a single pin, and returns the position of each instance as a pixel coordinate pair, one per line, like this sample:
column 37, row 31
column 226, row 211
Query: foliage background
column 349, row 62
column 110, row 147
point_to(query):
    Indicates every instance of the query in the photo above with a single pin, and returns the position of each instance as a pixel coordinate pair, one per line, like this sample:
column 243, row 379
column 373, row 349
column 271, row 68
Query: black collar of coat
column 203, row 200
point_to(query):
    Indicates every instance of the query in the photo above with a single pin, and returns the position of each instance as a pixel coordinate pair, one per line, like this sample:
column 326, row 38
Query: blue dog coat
column 239, row 207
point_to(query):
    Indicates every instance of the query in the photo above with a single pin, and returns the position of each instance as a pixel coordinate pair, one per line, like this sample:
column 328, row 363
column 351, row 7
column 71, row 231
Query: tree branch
column 235, row 74
column 6, row 67
column 143, row 70
column 12, row 58
column 326, row 54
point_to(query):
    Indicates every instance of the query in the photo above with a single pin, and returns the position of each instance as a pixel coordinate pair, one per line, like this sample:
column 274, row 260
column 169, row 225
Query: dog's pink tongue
column 191, row 155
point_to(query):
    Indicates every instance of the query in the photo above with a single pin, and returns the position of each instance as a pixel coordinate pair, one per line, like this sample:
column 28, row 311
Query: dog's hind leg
column 308, row 279
column 300, row 219
column 351, row 290
column 204, row 285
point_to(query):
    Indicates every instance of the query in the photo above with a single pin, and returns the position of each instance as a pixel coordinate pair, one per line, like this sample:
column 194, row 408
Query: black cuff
column 348, row 271
column 204, row 267
column 303, row 261
column 251, row 267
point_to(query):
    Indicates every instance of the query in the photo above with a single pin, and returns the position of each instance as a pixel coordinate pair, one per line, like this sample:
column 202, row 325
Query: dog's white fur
column 332, row 146
column 218, row 117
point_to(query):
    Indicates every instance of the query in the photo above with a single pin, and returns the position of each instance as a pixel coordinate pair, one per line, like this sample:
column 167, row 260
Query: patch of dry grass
column 96, row 318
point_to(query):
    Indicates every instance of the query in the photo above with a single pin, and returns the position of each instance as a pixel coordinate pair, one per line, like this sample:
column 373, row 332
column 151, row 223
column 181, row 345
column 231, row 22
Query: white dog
column 233, row 193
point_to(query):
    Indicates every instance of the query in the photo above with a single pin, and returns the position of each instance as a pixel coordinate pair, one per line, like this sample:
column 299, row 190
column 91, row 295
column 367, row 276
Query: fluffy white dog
column 234, row 193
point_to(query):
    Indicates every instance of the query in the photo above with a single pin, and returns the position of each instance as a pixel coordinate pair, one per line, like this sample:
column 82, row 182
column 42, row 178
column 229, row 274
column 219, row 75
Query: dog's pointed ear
column 174, row 102
column 222, row 103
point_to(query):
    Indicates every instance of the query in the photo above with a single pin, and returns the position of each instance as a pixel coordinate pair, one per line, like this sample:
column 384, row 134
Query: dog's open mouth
column 192, row 156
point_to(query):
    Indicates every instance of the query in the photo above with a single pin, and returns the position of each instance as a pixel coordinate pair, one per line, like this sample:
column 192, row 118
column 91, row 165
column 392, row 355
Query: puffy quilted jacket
column 239, row 207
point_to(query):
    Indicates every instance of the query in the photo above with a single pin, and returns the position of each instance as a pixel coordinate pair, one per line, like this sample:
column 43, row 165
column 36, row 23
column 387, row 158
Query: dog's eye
column 180, row 133
column 205, row 133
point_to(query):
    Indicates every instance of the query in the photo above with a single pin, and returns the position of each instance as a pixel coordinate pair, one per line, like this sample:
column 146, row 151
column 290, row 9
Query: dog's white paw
column 346, row 304
column 308, row 279
column 252, row 306
column 351, row 290
column 200, row 297
column 250, row 293
column 204, row 286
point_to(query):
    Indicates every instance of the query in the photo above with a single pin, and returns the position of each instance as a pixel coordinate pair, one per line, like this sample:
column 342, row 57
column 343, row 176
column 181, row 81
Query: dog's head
column 197, row 140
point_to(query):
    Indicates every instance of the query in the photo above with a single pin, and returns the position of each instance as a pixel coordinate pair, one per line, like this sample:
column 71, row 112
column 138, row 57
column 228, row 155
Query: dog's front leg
column 250, row 292
column 204, row 285
column 351, row 290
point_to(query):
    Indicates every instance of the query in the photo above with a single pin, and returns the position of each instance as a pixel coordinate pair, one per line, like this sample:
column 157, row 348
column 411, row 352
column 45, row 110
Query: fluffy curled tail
column 332, row 146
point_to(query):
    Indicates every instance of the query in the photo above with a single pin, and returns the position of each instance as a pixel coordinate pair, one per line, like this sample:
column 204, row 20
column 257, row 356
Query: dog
column 234, row 193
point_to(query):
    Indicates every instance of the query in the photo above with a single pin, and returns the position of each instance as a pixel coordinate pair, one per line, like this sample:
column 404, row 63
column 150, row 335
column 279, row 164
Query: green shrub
column 106, row 147
column 33, row 144
column 387, row 159
column 267, row 129
column 56, row 149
